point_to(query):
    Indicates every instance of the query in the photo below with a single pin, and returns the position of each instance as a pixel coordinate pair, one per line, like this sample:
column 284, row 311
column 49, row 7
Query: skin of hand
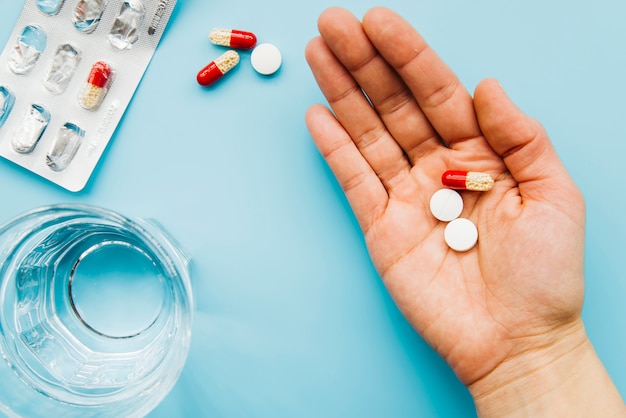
column 505, row 315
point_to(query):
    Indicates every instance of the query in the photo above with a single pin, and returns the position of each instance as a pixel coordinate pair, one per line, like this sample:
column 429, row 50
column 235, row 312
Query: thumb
column 523, row 144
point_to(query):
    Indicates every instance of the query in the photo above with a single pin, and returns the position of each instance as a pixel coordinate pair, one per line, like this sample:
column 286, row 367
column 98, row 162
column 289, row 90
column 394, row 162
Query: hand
column 511, row 305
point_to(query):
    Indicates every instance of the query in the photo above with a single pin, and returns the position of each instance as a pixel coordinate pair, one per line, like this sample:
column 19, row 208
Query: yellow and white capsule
column 467, row 180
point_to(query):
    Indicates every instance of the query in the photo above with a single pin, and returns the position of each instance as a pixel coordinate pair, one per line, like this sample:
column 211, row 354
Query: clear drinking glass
column 95, row 314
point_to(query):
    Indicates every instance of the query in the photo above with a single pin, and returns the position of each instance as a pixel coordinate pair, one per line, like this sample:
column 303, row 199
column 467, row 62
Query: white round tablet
column 461, row 234
column 446, row 204
column 266, row 59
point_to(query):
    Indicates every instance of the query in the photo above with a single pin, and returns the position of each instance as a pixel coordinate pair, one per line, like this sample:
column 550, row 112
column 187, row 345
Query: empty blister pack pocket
column 27, row 48
column 67, row 73
column 50, row 7
column 30, row 129
column 7, row 98
column 87, row 14
column 124, row 32
column 62, row 69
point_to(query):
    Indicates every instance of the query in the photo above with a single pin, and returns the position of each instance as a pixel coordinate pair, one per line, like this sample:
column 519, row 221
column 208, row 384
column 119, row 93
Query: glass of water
column 95, row 314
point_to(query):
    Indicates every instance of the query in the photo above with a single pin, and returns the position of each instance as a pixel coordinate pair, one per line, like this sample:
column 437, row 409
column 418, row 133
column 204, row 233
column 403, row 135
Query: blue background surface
column 291, row 317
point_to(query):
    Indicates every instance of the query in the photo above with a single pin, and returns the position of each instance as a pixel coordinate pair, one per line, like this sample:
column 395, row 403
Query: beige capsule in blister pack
column 96, row 87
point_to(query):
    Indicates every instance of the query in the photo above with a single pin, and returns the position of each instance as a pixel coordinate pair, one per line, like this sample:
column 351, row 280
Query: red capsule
column 233, row 38
column 97, row 86
column 100, row 74
column 467, row 180
column 216, row 69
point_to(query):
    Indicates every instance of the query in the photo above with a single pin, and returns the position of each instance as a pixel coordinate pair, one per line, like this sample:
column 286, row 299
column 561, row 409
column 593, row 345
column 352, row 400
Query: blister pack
column 67, row 75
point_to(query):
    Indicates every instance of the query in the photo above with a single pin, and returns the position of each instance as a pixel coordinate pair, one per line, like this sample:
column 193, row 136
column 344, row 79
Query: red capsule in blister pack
column 97, row 85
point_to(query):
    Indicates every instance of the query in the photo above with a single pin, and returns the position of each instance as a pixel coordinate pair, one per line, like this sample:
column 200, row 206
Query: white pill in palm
column 461, row 234
column 446, row 204
column 266, row 59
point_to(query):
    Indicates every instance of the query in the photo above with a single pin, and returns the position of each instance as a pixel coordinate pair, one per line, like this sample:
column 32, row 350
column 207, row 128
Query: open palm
column 400, row 118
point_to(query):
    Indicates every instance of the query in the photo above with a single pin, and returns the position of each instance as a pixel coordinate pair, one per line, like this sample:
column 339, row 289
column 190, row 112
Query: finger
column 364, row 191
column 357, row 116
column 439, row 93
column 522, row 143
column 391, row 98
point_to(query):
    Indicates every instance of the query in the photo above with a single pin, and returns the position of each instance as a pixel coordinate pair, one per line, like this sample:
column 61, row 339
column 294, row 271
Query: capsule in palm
column 467, row 180
column 218, row 68
column 233, row 38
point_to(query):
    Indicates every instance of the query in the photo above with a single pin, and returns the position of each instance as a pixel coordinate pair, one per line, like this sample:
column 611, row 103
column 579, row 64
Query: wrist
column 559, row 377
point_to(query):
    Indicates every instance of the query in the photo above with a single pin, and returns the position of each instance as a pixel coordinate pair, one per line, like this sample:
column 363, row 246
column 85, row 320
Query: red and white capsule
column 233, row 38
column 218, row 68
column 467, row 180
column 97, row 85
